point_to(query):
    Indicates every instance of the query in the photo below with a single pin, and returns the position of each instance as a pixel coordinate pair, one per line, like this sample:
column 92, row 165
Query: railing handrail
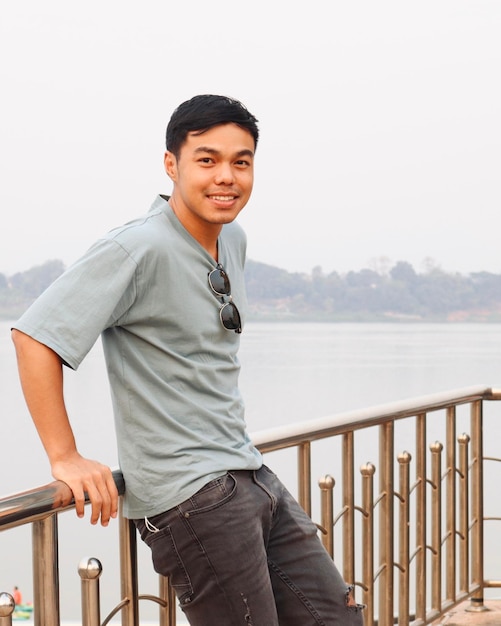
column 340, row 423
column 28, row 506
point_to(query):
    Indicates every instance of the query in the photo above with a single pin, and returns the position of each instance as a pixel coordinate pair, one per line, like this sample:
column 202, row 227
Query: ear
column 170, row 164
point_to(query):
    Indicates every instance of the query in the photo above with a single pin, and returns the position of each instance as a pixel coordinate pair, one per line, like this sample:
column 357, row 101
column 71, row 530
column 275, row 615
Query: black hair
column 201, row 113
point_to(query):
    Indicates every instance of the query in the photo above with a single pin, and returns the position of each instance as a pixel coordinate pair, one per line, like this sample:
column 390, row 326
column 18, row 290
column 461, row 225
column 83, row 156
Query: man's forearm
column 41, row 375
column 40, row 371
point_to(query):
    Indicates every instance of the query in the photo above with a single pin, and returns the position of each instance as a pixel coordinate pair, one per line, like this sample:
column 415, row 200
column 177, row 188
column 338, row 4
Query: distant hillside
column 397, row 294
column 17, row 292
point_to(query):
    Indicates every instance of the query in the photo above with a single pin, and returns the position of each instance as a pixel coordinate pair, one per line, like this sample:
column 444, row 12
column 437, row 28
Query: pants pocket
column 167, row 561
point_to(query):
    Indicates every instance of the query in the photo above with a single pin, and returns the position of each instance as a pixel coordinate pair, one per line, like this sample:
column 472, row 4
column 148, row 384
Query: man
column 166, row 293
column 17, row 596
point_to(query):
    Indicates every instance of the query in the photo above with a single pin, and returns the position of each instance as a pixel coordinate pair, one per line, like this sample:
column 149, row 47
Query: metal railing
column 413, row 544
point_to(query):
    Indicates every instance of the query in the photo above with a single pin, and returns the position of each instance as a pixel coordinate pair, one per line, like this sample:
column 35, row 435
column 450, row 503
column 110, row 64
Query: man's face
column 212, row 177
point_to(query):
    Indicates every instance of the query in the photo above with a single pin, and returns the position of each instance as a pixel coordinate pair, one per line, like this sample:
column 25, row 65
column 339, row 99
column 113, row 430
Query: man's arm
column 41, row 375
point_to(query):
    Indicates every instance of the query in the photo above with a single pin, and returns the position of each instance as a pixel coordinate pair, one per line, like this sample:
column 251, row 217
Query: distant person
column 166, row 293
column 18, row 596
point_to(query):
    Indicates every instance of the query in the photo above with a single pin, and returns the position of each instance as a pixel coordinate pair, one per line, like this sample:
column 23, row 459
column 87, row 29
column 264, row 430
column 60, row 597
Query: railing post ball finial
column 7, row 604
column 327, row 482
column 464, row 438
column 436, row 447
column 368, row 469
column 404, row 457
column 90, row 568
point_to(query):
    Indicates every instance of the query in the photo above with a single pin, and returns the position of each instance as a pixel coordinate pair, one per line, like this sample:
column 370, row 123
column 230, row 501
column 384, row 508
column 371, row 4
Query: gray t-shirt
column 173, row 368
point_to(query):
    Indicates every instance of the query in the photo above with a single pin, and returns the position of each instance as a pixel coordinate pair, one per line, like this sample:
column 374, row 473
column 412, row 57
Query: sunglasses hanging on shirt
column 228, row 312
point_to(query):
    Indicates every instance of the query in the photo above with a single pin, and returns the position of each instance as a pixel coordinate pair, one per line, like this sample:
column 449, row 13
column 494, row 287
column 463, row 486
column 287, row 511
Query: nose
column 224, row 174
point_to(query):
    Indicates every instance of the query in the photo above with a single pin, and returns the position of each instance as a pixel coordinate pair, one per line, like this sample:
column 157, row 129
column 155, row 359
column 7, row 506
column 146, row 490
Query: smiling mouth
column 223, row 198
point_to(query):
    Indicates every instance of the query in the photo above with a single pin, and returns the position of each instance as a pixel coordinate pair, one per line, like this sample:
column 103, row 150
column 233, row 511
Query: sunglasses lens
column 219, row 282
column 230, row 317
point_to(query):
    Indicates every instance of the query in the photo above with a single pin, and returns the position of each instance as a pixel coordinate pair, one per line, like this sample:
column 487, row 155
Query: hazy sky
column 380, row 124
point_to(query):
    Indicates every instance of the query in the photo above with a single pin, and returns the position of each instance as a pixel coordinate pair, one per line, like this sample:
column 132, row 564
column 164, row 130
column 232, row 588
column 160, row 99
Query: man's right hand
column 85, row 476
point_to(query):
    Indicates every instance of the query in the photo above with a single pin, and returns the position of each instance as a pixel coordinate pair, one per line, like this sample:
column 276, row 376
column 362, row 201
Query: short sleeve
column 93, row 294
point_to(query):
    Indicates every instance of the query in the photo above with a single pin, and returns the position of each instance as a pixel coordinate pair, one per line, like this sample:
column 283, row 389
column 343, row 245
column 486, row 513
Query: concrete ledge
column 460, row 616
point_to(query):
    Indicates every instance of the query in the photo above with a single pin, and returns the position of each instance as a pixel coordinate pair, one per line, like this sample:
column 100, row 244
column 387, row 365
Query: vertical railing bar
column 304, row 476
column 421, row 513
column 386, row 524
column 404, row 460
column 46, row 572
column 128, row 568
column 436, row 525
column 90, row 569
column 167, row 615
column 367, row 472
column 326, row 484
column 348, row 507
column 477, row 494
column 464, row 499
column 450, row 452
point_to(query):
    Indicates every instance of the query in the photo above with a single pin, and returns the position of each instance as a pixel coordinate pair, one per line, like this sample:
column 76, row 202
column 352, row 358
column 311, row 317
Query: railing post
column 128, row 567
column 421, row 517
column 326, row 484
column 90, row 570
column 464, row 499
column 450, row 452
column 348, row 508
column 304, row 476
column 436, row 525
column 7, row 606
column 404, row 460
column 477, row 505
column 367, row 472
column 386, row 524
column 46, row 572
column 166, row 593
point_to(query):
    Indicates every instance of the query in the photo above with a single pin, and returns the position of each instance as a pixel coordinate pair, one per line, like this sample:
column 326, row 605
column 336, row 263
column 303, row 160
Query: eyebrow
column 240, row 153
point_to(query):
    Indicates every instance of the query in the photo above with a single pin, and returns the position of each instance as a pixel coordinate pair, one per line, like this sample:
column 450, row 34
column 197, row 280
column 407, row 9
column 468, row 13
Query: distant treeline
column 398, row 293
column 17, row 292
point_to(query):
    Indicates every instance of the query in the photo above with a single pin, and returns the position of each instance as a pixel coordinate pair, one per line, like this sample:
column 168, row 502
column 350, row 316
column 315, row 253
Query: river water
column 290, row 372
